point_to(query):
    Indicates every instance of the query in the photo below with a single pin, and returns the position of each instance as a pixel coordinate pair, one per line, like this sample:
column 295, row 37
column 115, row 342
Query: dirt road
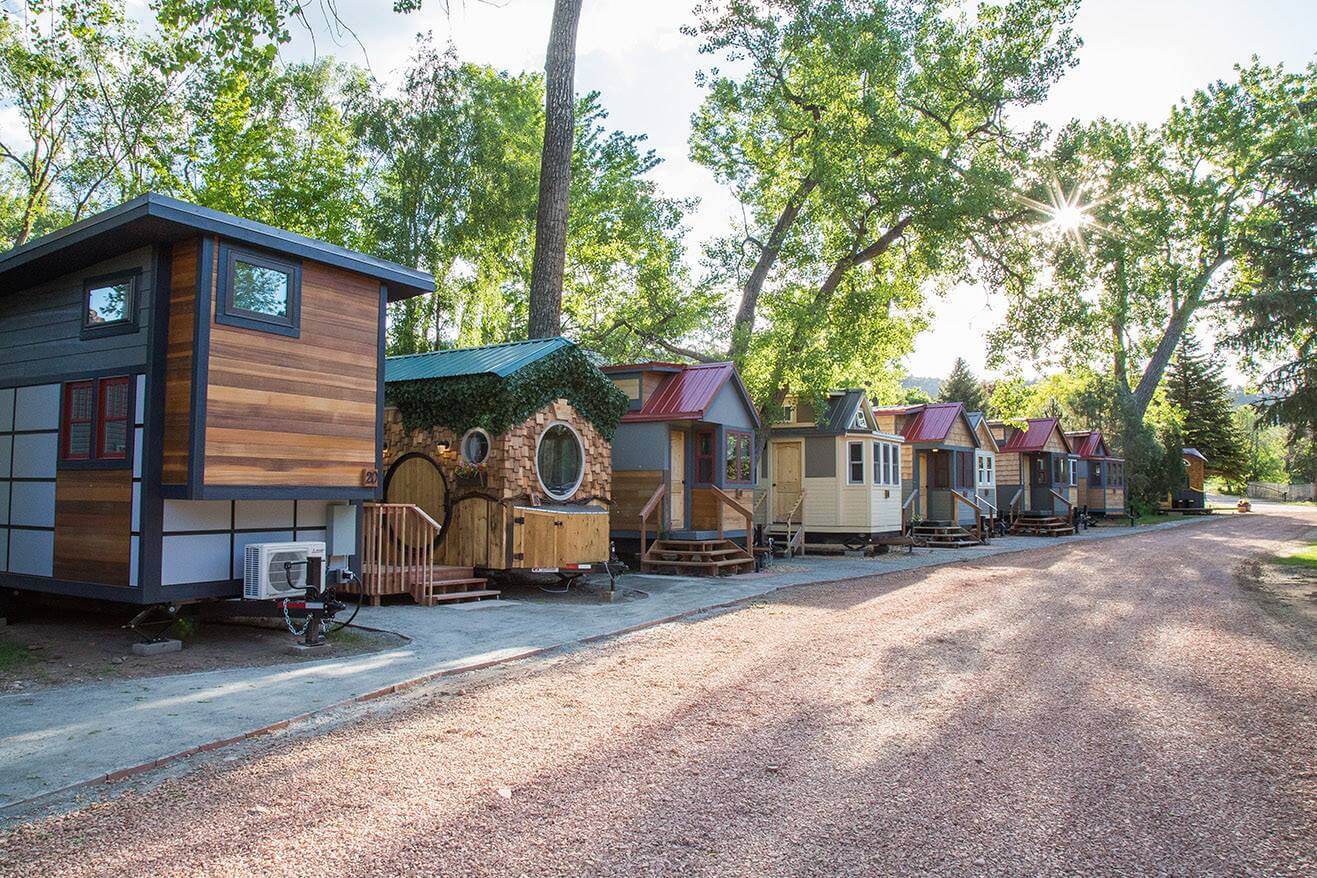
column 1122, row 706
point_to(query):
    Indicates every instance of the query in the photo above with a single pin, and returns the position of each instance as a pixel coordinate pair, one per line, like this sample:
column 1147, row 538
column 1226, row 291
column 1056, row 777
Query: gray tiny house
column 176, row 383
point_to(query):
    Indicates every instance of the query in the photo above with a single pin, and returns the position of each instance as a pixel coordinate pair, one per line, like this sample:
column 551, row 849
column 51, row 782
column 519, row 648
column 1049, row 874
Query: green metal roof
column 493, row 359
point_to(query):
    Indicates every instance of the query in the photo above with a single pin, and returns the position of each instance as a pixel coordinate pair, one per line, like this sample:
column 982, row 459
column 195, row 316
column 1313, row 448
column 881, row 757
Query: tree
column 1195, row 385
column 962, row 386
column 1166, row 233
column 869, row 148
column 555, row 172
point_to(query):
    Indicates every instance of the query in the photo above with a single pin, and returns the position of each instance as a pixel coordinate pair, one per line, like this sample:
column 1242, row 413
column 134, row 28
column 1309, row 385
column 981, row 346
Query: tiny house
column 939, row 461
column 847, row 472
column 985, row 462
column 1035, row 469
column 506, row 449
column 1099, row 477
column 685, row 450
column 176, row 383
column 1194, row 493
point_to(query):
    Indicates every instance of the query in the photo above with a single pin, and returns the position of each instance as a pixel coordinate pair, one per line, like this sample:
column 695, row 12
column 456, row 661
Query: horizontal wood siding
column 178, row 362
column 298, row 412
column 631, row 491
column 959, row 435
column 93, row 525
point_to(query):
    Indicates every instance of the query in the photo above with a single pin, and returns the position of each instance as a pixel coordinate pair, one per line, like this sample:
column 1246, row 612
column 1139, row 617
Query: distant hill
column 931, row 386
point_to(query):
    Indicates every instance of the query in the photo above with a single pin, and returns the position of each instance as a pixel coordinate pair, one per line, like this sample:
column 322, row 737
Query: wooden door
column 534, row 538
column 677, row 487
column 786, row 479
column 416, row 479
column 1040, row 483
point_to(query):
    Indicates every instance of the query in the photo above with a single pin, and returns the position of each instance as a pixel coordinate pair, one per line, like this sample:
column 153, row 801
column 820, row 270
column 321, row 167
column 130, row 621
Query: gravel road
column 1108, row 708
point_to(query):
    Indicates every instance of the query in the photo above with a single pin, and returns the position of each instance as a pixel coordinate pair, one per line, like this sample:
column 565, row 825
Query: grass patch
column 1305, row 558
column 13, row 656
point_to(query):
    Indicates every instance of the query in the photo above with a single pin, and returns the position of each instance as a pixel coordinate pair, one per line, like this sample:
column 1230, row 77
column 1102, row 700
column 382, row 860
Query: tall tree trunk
column 555, row 172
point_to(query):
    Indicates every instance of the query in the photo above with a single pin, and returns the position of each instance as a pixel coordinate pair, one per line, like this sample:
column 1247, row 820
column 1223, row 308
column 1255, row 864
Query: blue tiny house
column 940, row 454
column 685, row 447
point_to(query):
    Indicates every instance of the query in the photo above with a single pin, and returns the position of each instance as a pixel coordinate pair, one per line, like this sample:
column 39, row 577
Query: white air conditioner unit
column 277, row 570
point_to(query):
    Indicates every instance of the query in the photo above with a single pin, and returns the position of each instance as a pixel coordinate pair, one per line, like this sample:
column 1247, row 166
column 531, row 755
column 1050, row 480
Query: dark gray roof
column 837, row 420
column 492, row 359
column 153, row 219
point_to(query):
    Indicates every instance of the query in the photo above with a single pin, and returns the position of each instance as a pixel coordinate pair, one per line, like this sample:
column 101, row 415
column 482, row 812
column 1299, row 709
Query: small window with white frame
column 1073, row 479
column 896, row 464
column 855, row 463
column 475, row 446
column 858, row 422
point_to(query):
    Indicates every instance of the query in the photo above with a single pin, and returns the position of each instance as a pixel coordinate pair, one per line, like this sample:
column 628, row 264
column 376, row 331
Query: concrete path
column 60, row 738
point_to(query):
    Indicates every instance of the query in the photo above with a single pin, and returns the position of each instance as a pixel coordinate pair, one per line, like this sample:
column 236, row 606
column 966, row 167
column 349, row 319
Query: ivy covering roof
column 496, row 387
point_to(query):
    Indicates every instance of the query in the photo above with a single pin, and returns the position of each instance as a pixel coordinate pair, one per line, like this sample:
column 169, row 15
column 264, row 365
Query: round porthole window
column 560, row 461
column 475, row 446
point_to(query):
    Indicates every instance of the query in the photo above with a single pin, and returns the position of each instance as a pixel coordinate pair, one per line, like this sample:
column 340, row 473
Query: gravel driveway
column 1111, row 707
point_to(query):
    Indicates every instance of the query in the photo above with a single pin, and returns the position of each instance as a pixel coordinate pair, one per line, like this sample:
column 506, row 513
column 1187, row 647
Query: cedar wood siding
column 297, row 412
column 93, row 525
column 178, row 362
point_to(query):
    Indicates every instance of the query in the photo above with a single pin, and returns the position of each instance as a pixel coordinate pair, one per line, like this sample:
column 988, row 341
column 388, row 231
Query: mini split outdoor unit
column 278, row 570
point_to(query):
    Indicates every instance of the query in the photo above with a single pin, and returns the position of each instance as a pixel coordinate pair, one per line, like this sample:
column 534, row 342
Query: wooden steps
column 1042, row 526
column 942, row 535
column 452, row 584
column 705, row 557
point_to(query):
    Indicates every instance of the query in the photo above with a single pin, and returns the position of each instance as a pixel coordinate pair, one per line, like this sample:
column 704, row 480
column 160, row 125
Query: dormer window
column 859, row 422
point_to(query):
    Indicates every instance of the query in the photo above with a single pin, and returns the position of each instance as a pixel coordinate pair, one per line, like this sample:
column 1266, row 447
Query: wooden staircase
column 451, row 584
column 1042, row 526
column 399, row 558
column 942, row 535
column 701, row 557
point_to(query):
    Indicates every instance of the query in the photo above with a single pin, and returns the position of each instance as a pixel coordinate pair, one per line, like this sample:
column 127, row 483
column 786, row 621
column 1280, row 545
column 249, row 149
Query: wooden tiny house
column 1100, row 477
column 939, row 479
column 838, row 474
column 506, row 450
column 1036, row 478
column 176, row 383
column 1194, row 493
column 684, row 464
column 985, row 462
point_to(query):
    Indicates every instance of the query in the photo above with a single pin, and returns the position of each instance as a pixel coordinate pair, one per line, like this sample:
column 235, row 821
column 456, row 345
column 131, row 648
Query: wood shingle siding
column 297, row 411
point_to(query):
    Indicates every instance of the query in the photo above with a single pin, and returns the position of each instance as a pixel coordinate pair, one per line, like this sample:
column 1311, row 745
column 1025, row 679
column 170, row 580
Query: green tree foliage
column 1195, row 385
column 870, row 148
column 1174, row 210
column 962, row 386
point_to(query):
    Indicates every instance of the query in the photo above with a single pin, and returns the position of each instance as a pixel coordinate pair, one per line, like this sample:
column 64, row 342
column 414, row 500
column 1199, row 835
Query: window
column 940, row 462
column 738, row 456
column 896, row 464
column 1073, row 480
column 1095, row 473
column 112, row 419
column 855, row 457
column 984, row 469
column 109, row 304
column 704, row 456
column 858, row 422
column 788, row 414
column 560, row 461
column 94, row 420
column 475, row 445
column 258, row 291
column 879, row 462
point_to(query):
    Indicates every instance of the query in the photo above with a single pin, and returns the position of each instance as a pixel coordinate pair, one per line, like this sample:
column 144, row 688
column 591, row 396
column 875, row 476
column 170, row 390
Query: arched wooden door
column 416, row 479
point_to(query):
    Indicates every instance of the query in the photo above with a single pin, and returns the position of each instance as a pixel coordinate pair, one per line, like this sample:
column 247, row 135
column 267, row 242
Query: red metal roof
column 647, row 366
column 1035, row 437
column 685, row 395
column 1088, row 443
column 933, row 422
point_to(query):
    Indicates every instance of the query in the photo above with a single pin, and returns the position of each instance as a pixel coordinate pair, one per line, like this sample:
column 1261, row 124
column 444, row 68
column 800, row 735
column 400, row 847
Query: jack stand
column 148, row 626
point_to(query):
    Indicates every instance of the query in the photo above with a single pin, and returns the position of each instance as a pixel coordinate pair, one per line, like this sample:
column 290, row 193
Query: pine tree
column 1194, row 383
column 962, row 386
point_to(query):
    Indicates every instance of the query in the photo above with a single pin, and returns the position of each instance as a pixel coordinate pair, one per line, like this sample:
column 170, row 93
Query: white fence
column 1281, row 491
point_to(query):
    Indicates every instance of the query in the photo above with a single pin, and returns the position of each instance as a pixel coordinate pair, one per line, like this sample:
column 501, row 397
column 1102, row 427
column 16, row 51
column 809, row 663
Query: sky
column 1139, row 57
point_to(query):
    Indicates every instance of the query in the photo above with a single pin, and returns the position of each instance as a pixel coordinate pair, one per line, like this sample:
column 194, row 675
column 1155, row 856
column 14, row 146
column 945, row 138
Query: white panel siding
column 31, row 552
column 820, row 503
column 886, row 511
column 854, row 502
column 35, row 455
column 132, row 561
column 197, row 515
column 196, row 558
column 6, row 408
column 137, row 506
column 273, row 514
column 33, row 504
column 137, row 453
column 311, row 513
column 140, row 415
column 37, row 407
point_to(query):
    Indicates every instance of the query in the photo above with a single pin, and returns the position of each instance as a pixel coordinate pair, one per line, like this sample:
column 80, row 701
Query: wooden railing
column 956, row 499
column 1064, row 499
column 740, row 508
column 655, row 502
column 1014, row 506
column 398, row 550
column 795, row 542
column 905, row 510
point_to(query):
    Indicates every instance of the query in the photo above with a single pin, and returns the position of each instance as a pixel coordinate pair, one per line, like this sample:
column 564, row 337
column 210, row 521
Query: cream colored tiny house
column 848, row 472
column 985, row 461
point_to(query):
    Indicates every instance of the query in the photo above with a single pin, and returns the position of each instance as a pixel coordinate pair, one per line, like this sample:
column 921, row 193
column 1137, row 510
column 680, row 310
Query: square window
column 259, row 292
column 109, row 304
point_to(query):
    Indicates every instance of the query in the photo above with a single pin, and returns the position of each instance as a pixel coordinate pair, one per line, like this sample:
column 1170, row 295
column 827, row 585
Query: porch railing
column 795, row 541
column 655, row 502
column 398, row 550
column 1013, row 507
column 906, row 515
column 956, row 499
column 741, row 509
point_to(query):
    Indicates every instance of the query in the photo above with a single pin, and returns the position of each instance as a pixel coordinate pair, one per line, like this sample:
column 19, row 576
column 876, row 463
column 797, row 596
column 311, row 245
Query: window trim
column 851, row 461
column 879, row 454
column 489, row 446
column 123, row 326
column 580, row 476
column 66, row 421
column 228, row 314
column 102, row 420
column 741, row 437
column 93, row 460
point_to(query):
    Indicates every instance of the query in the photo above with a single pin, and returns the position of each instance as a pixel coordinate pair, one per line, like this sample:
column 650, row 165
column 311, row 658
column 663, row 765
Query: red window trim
column 744, row 439
column 67, row 421
column 102, row 420
column 701, row 459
